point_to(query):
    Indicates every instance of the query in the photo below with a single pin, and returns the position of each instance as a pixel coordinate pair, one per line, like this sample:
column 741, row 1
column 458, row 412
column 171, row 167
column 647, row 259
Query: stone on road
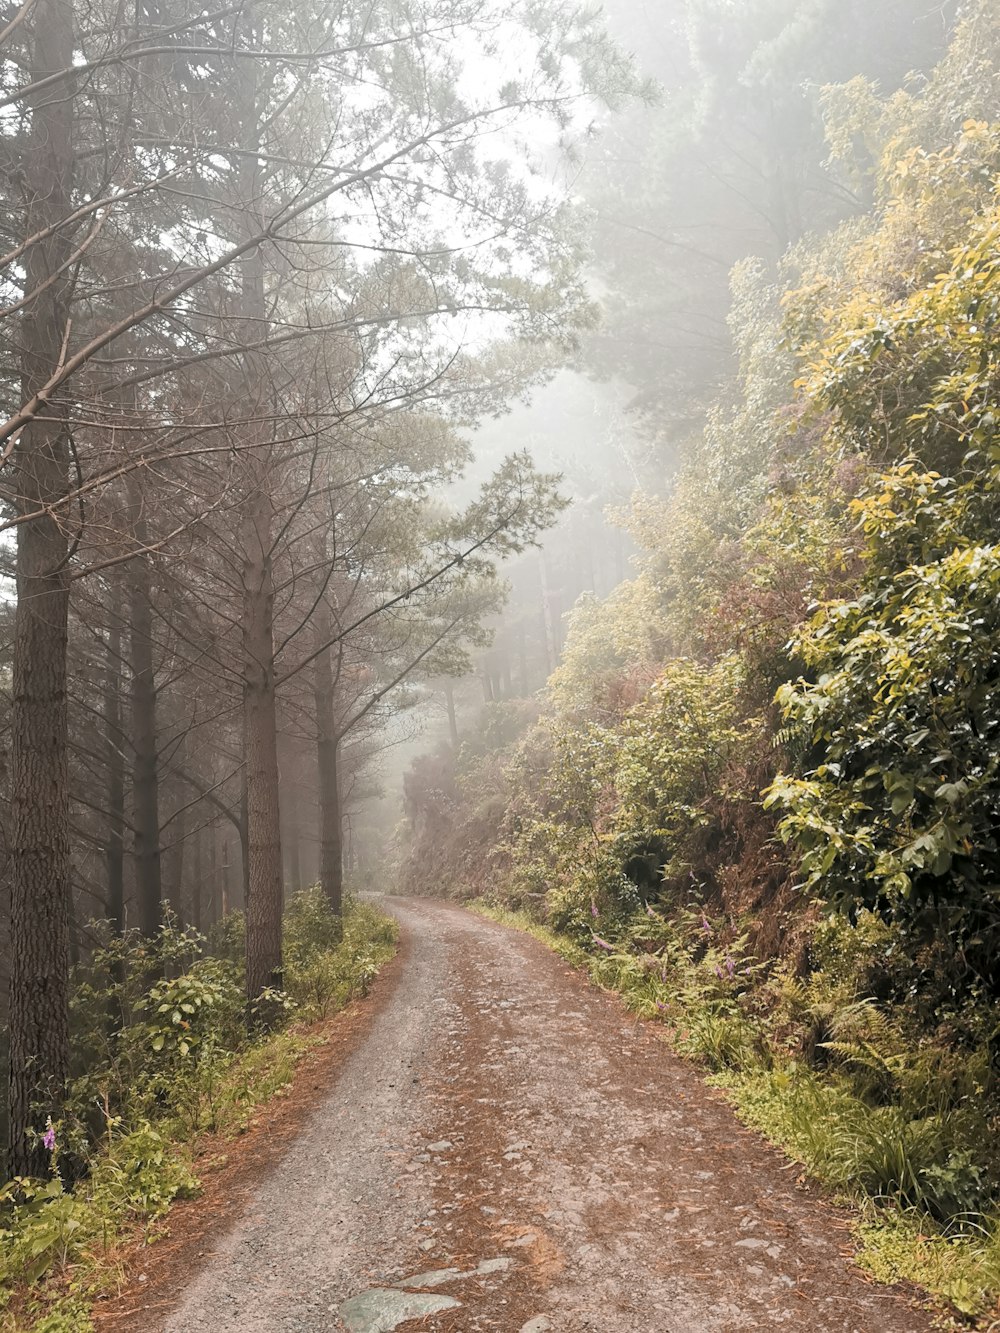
column 536, row 1160
column 382, row 1311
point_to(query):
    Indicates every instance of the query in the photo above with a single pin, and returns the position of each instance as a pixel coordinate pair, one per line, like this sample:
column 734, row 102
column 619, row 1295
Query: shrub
column 329, row 962
column 169, row 1053
column 140, row 1175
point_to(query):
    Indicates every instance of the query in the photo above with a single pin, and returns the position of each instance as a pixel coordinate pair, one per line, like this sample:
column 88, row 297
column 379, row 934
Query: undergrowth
column 161, row 1030
column 895, row 1117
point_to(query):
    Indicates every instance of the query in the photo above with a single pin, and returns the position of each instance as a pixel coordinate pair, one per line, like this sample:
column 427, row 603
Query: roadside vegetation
column 895, row 1124
column 164, row 1058
column 760, row 794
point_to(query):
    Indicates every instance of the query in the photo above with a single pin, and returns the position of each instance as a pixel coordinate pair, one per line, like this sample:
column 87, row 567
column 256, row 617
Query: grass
column 59, row 1248
column 566, row 948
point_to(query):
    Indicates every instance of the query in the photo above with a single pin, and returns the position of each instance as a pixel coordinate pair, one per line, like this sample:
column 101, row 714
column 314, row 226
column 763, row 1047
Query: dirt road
column 509, row 1150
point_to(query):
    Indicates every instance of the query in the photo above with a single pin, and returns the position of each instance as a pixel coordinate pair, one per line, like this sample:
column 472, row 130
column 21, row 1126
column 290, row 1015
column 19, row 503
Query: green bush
column 168, row 1052
column 43, row 1227
column 140, row 1175
column 329, row 962
column 310, row 926
column 65, row 1315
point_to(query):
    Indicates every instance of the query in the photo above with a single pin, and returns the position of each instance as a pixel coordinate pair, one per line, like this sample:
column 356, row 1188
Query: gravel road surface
column 509, row 1150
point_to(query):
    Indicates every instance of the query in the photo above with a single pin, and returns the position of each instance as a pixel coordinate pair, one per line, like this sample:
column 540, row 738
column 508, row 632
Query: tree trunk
column 449, row 698
column 173, row 854
column 295, row 861
column 331, row 824
column 173, row 892
column 548, row 625
column 227, row 880
column 74, row 933
column 39, row 830
column 505, row 674
column 115, row 759
column 292, row 840
column 213, row 910
column 331, row 832
column 260, row 749
column 197, row 877
column 243, row 827
column 291, row 801
column 145, row 764
column 262, row 852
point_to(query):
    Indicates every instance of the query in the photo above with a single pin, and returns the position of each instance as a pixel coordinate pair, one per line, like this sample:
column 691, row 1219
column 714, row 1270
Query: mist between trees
column 262, row 265
column 268, row 268
column 750, row 780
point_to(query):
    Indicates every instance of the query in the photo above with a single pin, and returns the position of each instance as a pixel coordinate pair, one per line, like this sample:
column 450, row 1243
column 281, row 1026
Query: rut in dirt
column 509, row 1150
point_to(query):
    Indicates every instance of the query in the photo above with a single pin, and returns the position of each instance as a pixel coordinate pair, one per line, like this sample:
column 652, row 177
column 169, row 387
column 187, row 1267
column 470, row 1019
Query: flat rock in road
column 509, row 1150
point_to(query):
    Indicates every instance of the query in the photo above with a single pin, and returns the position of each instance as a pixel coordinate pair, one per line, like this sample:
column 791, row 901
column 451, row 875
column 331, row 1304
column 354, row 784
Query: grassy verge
column 60, row 1245
column 855, row 1149
column 901, row 1129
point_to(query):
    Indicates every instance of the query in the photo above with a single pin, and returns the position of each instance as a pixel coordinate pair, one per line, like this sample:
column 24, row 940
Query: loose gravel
column 508, row 1150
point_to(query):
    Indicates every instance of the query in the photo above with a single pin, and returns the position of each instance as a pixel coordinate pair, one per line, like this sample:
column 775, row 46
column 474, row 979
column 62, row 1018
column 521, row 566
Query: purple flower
column 663, row 1008
column 593, row 910
column 718, row 971
column 730, row 967
column 603, row 944
column 49, row 1137
column 706, row 925
column 650, row 912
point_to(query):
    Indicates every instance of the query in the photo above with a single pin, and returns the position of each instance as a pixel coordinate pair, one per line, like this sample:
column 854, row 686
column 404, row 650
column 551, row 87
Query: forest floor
column 496, row 1144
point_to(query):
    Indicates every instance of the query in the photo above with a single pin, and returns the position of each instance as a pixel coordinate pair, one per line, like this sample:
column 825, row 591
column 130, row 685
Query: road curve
column 509, row 1150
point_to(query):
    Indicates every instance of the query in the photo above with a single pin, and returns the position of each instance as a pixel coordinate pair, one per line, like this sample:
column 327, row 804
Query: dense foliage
column 163, row 1057
column 761, row 794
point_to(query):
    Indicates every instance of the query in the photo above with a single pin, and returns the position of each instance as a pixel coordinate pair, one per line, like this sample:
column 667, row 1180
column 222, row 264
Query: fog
column 349, row 353
column 689, row 199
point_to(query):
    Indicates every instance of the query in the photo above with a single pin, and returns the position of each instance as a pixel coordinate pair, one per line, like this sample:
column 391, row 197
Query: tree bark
column 290, row 796
column 449, row 698
column 39, row 833
column 173, row 892
column 227, row 875
column 522, row 660
column 197, row 878
column 213, row 898
column 262, row 852
column 295, row 860
column 331, row 831
column 243, row 828
column 292, row 842
column 115, row 759
column 505, row 674
column 260, row 748
column 145, row 763
column 174, row 853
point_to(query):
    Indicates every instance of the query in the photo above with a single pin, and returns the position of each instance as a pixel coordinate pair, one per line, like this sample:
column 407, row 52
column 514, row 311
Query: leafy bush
column 309, row 926
column 202, row 1006
column 169, row 1054
column 44, row 1226
column 832, row 536
column 329, row 962
column 114, row 1058
column 69, row 1315
column 893, row 796
column 901, row 813
column 140, row 1175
